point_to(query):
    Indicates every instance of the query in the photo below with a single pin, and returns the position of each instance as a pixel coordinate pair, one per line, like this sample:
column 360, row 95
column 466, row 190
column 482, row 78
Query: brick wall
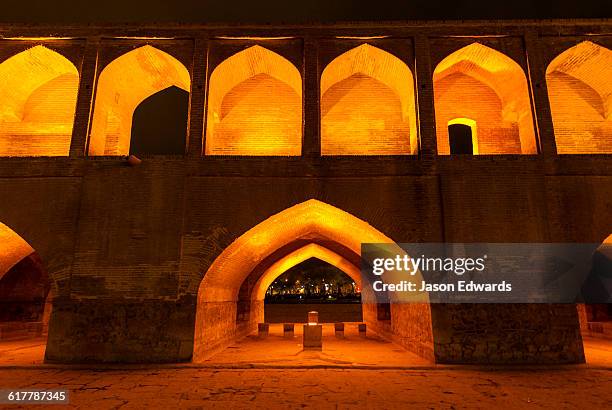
column 127, row 247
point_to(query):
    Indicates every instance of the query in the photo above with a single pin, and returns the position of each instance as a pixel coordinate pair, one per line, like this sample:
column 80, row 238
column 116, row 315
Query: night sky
column 291, row 11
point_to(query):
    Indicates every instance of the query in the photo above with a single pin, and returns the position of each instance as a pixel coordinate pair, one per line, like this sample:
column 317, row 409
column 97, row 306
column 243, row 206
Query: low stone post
column 339, row 328
column 313, row 317
column 288, row 329
column 263, row 329
column 362, row 329
column 313, row 337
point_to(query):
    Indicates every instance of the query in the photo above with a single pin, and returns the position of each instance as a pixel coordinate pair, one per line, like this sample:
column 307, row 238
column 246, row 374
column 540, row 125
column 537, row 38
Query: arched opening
column 313, row 285
column 122, row 86
column 367, row 105
column 38, row 90
column 24, row 300
column 247, row 267
column 580, row 95
column 254, row 106
column 484, row 85
column 462, row 137
column 160, row 122
column 596, row 317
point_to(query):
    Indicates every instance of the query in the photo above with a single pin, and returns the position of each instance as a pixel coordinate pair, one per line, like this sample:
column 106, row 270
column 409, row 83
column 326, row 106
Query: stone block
column 339, row 329
column 263, row 329
column 313, row 337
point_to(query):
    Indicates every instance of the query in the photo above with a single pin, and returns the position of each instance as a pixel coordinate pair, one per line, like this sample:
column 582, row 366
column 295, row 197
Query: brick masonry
column 127, row 247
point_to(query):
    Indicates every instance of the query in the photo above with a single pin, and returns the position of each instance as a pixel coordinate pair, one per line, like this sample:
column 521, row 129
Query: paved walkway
column 279, row 351
column 195, row 388
column 350, row 350
column 341, row 385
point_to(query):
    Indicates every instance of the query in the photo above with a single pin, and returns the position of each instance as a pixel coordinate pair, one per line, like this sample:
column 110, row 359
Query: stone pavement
column 194, row 388
column 278, row 351
column 350, row 373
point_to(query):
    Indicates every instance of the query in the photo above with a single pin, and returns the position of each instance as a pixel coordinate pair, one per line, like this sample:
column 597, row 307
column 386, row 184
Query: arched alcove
column 310, row 221
column 367, row 105
column 38, row 90
column 580, row 95
column 122, row 86
column 254, row 106
column 486, row 86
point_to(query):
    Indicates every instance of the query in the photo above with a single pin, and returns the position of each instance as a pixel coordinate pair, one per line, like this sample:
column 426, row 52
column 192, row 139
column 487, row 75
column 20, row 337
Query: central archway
column 310, row 221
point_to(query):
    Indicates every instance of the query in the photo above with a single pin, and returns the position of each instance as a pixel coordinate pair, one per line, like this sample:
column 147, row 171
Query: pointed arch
column 489, row 87
column 312, row 221
column 368, row 104
column 254, row 105
column 13, row 249
column 159, row 123
column 38, row 90
column 24, row 287
column 580, row 95
column 312, row 250
column 122, row 86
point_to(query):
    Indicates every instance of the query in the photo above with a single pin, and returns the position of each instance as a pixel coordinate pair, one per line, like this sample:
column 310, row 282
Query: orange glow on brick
column 124, row 84
column 37, row 38
column 361, row 37
column 367, row 105
column 307, row 220
column 38, row 90
column 12, row 249
column 254, row 106
column 484, row 85
column 298, row 256
column 254, row 38
column 580, row 95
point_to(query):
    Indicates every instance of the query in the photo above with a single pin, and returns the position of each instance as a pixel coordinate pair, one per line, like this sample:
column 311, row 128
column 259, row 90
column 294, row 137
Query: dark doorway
column 460, row 139
column 313, row 285
column 23, row 293
column 159, row 124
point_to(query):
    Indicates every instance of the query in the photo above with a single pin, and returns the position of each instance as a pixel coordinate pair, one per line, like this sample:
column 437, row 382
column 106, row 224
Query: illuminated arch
column 308, row 220
column 487, row 86
column 367, row 105
column 312, row 250
column 38, row 91
column 12, row 249
column 311, row 221
column 122, row 86
column 580, row 95
column 254, row 106
column 24, row 288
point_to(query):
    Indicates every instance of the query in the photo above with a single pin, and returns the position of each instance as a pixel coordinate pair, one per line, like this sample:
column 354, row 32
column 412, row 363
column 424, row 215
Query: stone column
column 537, row 77
column 84, row 106
column 197, row 106
column 425, row 98
column 311, row 139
